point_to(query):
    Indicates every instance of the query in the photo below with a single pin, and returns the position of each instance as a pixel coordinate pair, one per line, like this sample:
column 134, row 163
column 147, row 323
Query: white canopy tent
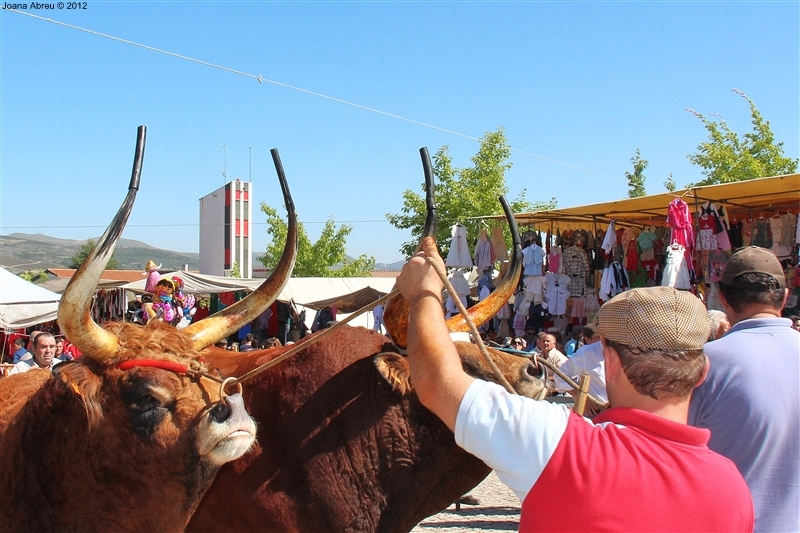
column 298, row 290
column 24, row 304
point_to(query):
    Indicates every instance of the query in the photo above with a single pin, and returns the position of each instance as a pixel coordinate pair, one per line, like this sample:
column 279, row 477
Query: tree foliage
column 726, row 157
column 80, row 256
column 34, row 276
column 669, row 184
column 463, row 193
column 637, row 178
column 325, row 258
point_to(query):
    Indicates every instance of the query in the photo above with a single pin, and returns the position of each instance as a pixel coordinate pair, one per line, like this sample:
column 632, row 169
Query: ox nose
column 229, row 407
column 535, row 371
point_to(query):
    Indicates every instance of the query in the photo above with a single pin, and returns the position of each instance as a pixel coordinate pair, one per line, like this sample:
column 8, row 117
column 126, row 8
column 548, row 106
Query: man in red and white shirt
column 636, row 466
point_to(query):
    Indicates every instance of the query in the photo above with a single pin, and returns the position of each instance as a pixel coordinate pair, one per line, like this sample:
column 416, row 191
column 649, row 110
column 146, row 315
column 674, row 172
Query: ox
column 130, row 436
column 345, row 445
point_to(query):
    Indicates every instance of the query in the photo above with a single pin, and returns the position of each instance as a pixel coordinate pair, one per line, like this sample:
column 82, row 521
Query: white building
column 225, row 230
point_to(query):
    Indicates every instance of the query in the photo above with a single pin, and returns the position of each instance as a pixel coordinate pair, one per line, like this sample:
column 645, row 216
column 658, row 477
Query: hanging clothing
column 554, row 262
column 780, row 251
column 679, row 220
column 676, row 271
column 576, row 266
column 706, row 236
column 735, row 234
column 460, row 283
column 534, row 288
column 532, row 260
column 716, row 264
column 614, row 281
column 519, row 324
column 747, row 231
column 789, row 225
column 499, row 244
column 484, row 253
column 762, row 233
column 458, row 256
column 610, row 240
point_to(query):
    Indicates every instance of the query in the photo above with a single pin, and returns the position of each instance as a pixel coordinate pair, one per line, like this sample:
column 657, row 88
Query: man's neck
column 751, row 313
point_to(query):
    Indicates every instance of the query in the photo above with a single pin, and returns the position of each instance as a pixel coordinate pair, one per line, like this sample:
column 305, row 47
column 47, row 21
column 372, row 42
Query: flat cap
column 655, row 318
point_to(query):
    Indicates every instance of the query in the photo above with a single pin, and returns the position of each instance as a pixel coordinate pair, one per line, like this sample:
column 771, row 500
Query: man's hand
column 418, row 278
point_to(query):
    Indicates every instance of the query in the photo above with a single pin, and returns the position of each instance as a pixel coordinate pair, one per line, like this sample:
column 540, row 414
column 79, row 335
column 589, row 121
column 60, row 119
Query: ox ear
column 85, row 385
column 395, row 370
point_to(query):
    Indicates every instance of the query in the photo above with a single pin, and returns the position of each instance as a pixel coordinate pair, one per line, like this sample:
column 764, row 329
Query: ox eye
column 146, row 408
column 146, row 403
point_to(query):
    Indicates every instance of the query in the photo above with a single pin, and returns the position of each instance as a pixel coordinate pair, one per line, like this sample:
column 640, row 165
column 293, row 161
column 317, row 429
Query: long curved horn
column 485, row 310
column 220, row 325
column 395, row 313
column 74, row 310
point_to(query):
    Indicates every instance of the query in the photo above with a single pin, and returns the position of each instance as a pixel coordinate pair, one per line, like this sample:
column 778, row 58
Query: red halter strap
column 178, row 368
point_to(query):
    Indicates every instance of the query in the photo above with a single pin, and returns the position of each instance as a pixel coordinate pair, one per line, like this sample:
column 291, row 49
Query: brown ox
column 345, row 444
column 130, row 436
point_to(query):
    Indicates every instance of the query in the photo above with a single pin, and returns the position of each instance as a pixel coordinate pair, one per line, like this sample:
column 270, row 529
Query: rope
column 474, row 330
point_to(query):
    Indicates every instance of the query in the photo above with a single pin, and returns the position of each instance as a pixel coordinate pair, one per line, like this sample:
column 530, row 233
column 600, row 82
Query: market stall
column 680, row 239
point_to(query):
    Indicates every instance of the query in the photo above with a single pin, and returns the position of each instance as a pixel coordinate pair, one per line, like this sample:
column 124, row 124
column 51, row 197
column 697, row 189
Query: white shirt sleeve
column 514, row 435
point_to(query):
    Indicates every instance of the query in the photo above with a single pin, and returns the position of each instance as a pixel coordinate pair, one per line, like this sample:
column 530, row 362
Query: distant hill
column 40, row 252
column 22, row 251
column 397, row 265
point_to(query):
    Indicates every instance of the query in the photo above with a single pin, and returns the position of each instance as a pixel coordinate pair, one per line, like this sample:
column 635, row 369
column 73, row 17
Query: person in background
column 572, row 343
column 719, row 324
column 749, row 401
column 60, row 353
column 248, row 344
column 44, row 350
column 20, row 352
column 517, row 343
column 274, row 342
column 590, row 334
column 636, row 467
column 550, row 352
column 796, row 322
column 588, row 359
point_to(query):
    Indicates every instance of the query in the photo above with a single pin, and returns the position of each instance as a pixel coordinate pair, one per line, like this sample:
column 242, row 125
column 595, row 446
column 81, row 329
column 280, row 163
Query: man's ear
column 706, row 366
column 613, row 365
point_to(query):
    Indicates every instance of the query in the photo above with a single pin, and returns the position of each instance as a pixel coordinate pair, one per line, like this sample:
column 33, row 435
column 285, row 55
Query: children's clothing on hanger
column 458, row 256
column 676, row 271
column 499, row 244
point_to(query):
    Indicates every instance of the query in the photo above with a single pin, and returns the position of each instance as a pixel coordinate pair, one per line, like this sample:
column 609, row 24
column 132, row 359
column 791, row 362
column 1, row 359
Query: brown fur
column 339, row 449
column 70, row 459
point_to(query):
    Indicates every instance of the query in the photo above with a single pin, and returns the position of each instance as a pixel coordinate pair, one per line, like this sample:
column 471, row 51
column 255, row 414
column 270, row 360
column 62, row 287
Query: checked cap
column 655, row 318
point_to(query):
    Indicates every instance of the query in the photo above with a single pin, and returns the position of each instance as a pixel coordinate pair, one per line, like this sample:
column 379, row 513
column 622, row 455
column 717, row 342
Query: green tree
column 80, row 256
column 463, row 193
column 670, row 183
column 34, row 276
column 726, row 157
column 235, row 272
column 325, row 258
column 637, row 179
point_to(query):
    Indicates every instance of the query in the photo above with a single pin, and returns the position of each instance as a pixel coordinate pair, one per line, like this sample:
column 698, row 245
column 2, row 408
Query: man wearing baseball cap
column 636, row 467
column 750, row 400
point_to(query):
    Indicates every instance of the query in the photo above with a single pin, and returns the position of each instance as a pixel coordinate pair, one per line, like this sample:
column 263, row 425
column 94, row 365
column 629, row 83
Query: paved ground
column 498, row 512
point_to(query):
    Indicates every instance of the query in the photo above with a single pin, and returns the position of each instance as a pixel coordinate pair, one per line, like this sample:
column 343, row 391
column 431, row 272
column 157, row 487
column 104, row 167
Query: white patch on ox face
column 226, row 432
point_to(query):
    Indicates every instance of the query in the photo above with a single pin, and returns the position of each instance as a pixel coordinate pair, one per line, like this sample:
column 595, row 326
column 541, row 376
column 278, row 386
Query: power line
column 260, row 79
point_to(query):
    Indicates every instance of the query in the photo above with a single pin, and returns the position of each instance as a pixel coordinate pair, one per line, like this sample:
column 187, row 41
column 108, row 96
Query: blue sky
column 581, row 83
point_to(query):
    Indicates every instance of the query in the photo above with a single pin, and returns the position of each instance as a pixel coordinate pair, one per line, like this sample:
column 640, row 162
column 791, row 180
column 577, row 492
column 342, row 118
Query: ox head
column 139, row 426
column 525, row 376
